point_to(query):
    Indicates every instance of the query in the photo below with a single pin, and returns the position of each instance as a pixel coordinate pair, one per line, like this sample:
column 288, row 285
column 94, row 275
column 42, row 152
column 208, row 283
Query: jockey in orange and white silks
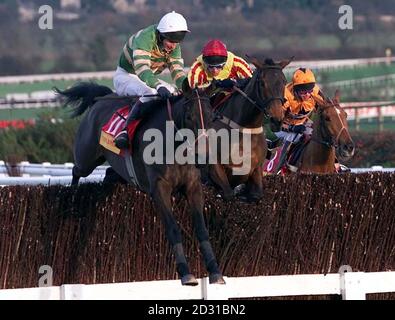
column 219, row 64
column 301, row 96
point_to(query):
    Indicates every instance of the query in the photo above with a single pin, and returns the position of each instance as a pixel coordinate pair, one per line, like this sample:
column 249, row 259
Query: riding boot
column 283, row 155
column 122, row 139
column 272, row 144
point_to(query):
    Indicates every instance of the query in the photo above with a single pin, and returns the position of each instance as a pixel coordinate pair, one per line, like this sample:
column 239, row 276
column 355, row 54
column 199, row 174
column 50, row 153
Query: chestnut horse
column 330, row 139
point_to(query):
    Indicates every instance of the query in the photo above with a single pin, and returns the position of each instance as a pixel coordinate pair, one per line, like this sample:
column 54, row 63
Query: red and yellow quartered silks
column 235, row 68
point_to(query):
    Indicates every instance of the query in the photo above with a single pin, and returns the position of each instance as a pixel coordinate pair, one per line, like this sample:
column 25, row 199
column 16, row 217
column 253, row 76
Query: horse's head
column 197, row 116
column 270, row 81
column 334, row 127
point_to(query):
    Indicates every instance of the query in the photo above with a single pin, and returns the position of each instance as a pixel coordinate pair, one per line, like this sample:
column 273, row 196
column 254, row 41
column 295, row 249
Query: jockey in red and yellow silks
column 217, row 63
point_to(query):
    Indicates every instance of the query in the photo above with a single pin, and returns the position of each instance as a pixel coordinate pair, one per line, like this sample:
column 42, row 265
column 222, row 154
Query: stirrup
column 122, row 140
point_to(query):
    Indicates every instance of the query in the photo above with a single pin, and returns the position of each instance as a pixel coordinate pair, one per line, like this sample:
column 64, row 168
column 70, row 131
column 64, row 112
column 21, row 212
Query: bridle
column 261, row 103
column 328, row 139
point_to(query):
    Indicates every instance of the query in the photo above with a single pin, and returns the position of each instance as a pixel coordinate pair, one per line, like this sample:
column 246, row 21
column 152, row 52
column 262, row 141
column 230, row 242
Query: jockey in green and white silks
column 144, row 56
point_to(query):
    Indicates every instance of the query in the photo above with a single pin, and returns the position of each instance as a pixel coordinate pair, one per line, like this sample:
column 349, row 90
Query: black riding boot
column 122, row 139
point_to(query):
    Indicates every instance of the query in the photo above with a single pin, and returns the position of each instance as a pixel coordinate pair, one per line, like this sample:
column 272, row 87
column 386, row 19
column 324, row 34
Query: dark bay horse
column 330, row 139
column 244, row 111
column 161, row 180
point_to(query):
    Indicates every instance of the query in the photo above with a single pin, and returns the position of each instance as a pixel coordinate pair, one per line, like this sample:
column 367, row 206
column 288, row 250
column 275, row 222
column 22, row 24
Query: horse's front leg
column 254, row 186
column 218, row 175
column 194, row 194
column 161, row 195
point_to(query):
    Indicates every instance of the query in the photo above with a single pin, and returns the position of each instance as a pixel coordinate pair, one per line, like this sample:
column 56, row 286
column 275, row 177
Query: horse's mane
column 270, row 62
column 159, row 102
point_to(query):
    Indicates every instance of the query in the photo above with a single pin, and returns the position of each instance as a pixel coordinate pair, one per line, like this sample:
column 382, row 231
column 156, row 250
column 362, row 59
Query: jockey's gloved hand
column 163, row 92
column 300, row 128
column 241, row 83
column 225, row 84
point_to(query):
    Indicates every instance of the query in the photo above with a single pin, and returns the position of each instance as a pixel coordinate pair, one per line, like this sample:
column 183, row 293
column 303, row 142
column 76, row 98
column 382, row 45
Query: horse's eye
column 327, row 119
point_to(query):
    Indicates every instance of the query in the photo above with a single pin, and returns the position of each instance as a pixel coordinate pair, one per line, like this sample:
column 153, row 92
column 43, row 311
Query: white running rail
column 350, row 285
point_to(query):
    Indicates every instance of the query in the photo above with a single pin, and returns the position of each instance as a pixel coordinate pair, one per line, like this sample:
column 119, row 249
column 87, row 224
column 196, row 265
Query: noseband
column 328, row 139
column 262, row 103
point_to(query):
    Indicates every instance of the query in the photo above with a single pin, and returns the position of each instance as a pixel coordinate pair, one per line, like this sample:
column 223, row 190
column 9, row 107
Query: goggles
column 305, row 91
column 216, row 66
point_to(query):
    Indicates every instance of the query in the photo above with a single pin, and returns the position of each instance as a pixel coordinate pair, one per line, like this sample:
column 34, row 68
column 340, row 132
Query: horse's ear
column 321, row 100
column 337, row 96
column 255, row 61
column 285, row 62
column 185, row 86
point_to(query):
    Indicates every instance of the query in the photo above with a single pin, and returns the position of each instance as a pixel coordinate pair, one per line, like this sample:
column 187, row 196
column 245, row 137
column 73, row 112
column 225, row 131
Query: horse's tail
column 82, row 96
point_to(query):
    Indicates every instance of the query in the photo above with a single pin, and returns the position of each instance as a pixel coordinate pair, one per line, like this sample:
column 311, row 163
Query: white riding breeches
column 295, row 137
column 288, row 136
column 127, row 84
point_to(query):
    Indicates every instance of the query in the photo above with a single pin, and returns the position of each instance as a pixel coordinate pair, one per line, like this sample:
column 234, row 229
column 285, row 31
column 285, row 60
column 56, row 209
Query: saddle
column 292, row 159
column 114, row 126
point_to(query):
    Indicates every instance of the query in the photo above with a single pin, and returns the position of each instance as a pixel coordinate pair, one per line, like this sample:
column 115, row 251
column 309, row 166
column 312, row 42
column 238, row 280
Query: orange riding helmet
column 303, row 78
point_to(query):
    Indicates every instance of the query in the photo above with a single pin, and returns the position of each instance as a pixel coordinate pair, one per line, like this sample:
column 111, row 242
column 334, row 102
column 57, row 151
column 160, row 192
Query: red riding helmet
column 214, row 52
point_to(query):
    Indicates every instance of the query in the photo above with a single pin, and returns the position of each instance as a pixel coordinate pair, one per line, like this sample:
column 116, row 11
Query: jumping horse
column 330, row 139
column 244, row 111
column 160, row 180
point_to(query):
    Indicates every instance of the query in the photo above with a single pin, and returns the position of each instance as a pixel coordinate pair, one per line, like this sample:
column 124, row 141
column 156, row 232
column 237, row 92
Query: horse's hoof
column 189, row 280
column 254, row 199
column 228, row 197
column 249, row 199
column 243, row 198
column 216, row 278
column 240, row 189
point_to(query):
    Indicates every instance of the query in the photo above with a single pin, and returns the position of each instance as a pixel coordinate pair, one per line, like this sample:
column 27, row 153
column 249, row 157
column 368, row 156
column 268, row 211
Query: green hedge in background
column 50, row 139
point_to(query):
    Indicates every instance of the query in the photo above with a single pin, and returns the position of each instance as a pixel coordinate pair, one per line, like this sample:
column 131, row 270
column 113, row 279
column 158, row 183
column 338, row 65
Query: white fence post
column 352, row 287
column 214, row 291
column 72, row 292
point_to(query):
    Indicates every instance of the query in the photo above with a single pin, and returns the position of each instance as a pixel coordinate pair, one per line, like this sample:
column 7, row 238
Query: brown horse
column 244, row 113
column 330, row 139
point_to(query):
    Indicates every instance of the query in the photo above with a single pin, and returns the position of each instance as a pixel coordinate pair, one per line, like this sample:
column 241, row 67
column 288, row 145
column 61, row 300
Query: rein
column 260, row 105
column 332, row 142
column 201, row 117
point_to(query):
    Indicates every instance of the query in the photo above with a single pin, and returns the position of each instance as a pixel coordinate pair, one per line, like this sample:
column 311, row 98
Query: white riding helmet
column 172, row 22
